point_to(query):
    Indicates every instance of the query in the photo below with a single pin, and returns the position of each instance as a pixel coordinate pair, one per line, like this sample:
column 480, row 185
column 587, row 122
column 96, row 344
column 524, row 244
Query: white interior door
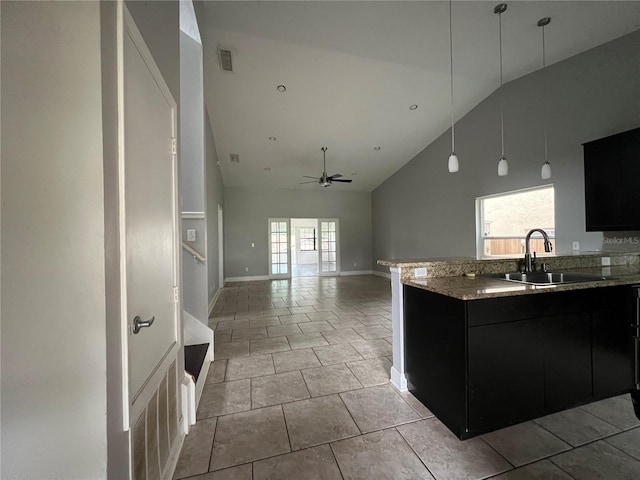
column 279, row 251
column 329, row 251
column 149, row 221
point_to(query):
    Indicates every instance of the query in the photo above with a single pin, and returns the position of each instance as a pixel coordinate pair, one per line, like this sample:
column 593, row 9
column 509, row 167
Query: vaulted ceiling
column 353, row 69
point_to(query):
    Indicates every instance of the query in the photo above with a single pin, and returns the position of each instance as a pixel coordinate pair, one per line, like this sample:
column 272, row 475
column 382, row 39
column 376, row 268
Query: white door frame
column 320, row 272
column 220, row 248
column 132, row 408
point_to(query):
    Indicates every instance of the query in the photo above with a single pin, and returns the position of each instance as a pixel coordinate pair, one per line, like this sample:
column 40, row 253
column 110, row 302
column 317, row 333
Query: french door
column 328, row 251
column 279, row 251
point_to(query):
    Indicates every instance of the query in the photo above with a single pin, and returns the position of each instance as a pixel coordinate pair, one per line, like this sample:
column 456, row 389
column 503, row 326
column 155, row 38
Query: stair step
column 194, row 356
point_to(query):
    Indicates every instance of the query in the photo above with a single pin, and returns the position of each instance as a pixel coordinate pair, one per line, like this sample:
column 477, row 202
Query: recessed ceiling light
column 267, row 169
column 377, row 148
column 281, row 88
column 413, row 107
column 273, row 139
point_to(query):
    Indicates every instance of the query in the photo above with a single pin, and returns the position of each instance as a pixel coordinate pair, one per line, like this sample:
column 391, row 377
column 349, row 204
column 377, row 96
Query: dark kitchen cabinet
column 611, row 172
column 480, row 365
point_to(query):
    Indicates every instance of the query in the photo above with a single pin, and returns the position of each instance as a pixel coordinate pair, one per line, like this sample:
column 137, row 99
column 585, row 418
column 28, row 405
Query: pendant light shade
column 453, row 164
column 545, row 172
column 503, row 164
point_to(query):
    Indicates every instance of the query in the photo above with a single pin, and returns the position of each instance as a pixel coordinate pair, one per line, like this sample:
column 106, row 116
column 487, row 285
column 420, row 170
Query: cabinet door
column 506, row 373
column 602, row 185
column 613, row 348
column 567, row 360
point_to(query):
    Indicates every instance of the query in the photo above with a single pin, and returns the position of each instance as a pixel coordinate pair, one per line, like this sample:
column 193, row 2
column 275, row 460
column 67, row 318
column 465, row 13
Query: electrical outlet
column 606, row 261
column 246, row 269
column 575, row 245
column 191, row 235
column 420, row 272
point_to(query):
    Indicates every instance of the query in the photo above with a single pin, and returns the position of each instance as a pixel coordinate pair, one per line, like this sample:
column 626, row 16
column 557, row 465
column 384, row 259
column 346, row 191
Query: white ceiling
column 352, row 69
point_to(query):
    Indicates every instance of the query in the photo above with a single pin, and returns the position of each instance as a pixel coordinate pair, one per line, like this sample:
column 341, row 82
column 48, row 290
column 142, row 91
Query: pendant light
column 503, row 165
column 545, row 172
column 453, row 164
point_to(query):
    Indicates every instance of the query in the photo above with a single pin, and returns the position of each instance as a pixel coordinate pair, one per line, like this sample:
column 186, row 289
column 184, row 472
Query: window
column 307, row 239
column 503, row 221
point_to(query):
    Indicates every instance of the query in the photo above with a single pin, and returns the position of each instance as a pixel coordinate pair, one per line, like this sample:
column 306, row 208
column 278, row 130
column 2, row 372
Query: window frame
column 301, row 238
column 480, row 220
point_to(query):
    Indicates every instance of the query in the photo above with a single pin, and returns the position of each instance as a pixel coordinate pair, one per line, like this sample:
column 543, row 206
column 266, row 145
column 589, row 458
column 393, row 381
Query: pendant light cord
column 453, row 142
column 544, row 87
column 501, row 93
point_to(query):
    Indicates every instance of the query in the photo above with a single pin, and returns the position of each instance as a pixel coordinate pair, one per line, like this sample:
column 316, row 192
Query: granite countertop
column 479, row 287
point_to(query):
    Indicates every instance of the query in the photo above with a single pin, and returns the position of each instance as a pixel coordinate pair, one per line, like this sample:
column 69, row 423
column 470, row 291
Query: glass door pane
column 279, row 260
column 329, row 263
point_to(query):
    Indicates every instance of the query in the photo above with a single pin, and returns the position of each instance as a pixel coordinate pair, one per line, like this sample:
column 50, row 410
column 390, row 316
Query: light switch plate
column 575, row 245
column 191, row 235
column 606, row 261
column 420, row 272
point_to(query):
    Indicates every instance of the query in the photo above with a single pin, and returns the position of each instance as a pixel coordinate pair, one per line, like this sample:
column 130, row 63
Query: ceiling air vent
column 226, row 59
column 235, row 158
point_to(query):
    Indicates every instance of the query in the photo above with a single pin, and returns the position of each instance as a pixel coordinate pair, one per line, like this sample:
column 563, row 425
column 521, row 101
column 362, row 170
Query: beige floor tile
column 344, row 335
column 249, row 436
column 264, row 322
column 306, row 309
column 372, row 332
column 231, row 350
column 196, row 450
column 373, row 348
column 414, row 403
column 231, row 324
column 217, row 371
column 283, row 330
column 617, row 411
column 241, row 472
column 598, row 460
column 447, row 457
column 223, row 398
column 315, row 463
column 525, row 443
column 344, row 323
column 269, row 345
column 295, row 360
column 331, row 379
column 254, row 366
column 628, row 442
column 370, row 320
column 373, row 371
column 321, row 315
column 311, row 327
column 378, row 455
column 307, row 340
column 379, row 407
column 276, row 389
column 317, row 421
column 289, row 319
column 340, row 353
column 576, row 426
column 221, row 336
column 542, row 470
column 275, row 312
column 255, row 333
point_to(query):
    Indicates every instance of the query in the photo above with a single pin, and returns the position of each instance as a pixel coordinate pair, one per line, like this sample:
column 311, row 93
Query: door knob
column 139, row 324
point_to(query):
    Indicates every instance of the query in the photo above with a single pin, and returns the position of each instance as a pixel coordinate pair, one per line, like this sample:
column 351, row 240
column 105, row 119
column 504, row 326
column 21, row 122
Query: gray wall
column 54, row 396
column 423, row 211
column 247, row 211
column 215, row 197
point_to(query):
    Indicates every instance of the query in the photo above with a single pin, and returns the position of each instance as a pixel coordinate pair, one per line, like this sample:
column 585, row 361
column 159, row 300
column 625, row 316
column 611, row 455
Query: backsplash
column 621, row 241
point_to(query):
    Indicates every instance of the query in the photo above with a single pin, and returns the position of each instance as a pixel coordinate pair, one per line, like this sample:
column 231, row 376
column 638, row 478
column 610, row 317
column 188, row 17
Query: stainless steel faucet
column 527, row 255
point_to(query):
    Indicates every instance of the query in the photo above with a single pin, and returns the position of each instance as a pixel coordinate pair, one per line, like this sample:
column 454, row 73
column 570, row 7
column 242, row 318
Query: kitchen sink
column 547, row 278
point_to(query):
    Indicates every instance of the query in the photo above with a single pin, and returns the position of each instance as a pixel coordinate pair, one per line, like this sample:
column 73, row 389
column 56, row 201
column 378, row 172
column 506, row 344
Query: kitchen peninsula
column 482, row 352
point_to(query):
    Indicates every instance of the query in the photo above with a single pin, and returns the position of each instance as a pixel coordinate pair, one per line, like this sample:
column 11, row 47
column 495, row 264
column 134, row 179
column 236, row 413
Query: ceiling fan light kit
column 326, row 180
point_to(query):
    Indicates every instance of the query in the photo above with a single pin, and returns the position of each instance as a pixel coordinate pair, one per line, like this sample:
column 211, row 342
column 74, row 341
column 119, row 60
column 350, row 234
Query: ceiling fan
column 326, row 180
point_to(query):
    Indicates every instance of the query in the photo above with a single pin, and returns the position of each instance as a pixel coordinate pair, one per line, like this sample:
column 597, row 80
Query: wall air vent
column 235, row 158
column 226, row 59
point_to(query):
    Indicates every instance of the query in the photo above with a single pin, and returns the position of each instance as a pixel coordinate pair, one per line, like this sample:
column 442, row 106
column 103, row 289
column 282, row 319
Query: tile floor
column 300, row 390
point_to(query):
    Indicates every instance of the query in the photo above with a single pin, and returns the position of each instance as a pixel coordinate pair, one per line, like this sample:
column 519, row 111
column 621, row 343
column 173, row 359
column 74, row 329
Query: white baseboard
column 356, row 272
column 382, row 274
column 246, row 279
column 213, row 301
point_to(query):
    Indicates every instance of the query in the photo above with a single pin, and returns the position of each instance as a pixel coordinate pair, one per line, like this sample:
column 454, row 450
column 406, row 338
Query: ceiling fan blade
column 307, row 176
column 344, row 181
column 337, row 175
column 312, row 181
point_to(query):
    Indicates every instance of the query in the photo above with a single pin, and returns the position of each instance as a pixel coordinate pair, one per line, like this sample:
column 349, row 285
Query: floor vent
column 226, row 59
